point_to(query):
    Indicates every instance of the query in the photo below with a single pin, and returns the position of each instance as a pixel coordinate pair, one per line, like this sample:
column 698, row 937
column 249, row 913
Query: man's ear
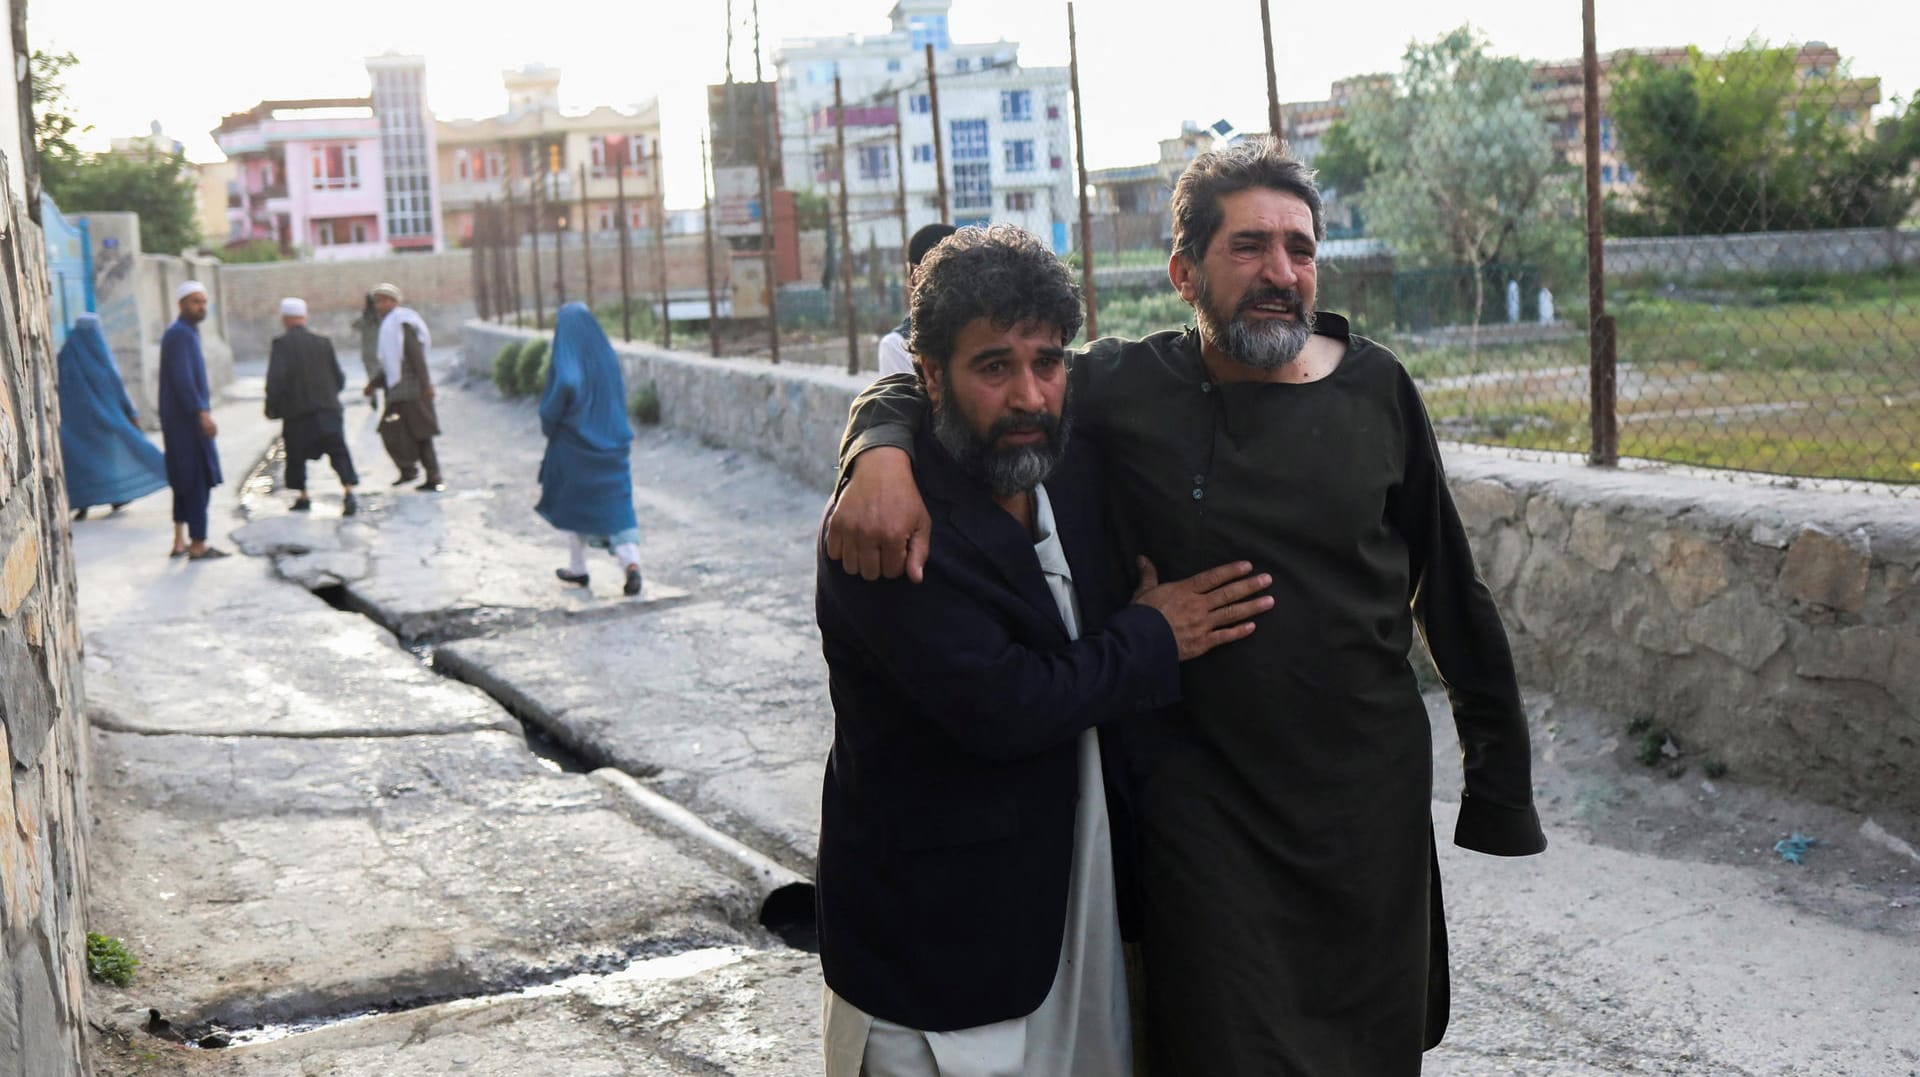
column 929, row 378
column 1181, row 272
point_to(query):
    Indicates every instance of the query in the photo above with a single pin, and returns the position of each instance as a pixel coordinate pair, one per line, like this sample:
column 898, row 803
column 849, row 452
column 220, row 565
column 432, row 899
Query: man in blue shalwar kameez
column 186, row 425
column 586, row 488
column 107, row 460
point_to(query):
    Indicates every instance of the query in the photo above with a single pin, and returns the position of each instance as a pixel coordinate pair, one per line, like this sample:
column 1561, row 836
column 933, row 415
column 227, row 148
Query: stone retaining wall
column 43, row 735
column 1774, row 630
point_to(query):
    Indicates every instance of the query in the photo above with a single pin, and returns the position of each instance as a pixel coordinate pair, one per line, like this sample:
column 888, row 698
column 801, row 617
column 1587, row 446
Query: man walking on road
column 1293, row 914
column 303, row 391
column 970, row 852
column 409, row 425
column 186, row 425
column 894, row 357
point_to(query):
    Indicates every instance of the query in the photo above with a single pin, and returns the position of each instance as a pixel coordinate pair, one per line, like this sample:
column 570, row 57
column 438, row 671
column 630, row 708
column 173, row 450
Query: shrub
column 532, row 374
column 108, row 960
column 644, row 405
column 506, row 369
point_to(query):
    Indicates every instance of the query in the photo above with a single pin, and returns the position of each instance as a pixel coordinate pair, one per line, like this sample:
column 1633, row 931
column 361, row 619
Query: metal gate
column 69, row 267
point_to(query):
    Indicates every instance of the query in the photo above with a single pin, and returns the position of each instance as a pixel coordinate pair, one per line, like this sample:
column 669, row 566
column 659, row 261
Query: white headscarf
column 187, row 288
column 393, row 341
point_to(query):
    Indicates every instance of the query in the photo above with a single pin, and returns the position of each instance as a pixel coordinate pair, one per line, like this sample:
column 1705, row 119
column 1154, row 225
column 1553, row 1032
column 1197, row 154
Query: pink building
column 308, row 176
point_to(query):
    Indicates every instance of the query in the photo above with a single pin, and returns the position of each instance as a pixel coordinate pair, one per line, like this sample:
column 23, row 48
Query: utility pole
column 706, row 209
column 626, row 272
column 510, row 246
column 1273, row 90
column 846, row 242
column 1080, row 162
column 660, row 243
column 900, row 176
column 559, row 243
column 766, row 194
column 533, row 195
column 1601, row 344
column 586, row 236
column 939, row 144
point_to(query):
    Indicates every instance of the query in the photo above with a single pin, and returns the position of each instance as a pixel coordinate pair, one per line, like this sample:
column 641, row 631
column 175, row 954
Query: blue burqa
column 585, row 484
column 108, row 460
column 193, row 462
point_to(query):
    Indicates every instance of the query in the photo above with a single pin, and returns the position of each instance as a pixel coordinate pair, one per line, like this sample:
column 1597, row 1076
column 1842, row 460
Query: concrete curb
column 770, row 877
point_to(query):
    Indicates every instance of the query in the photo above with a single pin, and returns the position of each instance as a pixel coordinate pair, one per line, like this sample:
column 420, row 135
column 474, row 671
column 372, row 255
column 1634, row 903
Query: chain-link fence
column 1757, row 247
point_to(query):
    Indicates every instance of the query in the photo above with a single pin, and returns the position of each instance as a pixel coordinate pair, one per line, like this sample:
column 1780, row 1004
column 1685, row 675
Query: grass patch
column 109, row 960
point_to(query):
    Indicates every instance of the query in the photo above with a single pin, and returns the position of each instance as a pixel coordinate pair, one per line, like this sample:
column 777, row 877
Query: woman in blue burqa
column 586, row 487
column 108, row 460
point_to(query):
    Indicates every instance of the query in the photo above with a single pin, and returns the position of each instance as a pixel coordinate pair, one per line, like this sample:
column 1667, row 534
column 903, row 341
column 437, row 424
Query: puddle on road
column 640, row 970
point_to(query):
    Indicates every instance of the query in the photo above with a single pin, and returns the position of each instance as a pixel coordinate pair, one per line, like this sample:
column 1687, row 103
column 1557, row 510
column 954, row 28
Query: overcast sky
column 1144, row 67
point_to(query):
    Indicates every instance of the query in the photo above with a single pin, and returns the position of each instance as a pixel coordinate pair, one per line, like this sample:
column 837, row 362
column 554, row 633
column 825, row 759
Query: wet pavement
column 319, row 810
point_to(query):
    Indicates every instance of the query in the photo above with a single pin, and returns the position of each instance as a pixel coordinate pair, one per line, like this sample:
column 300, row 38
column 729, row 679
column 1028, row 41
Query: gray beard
column 1264, row 345
column 1005, row 472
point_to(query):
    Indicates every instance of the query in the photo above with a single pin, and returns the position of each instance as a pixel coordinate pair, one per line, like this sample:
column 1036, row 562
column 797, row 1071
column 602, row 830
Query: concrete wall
column 43, row 735
column 1851, row 250
column 1776, row 630
column 133, row 293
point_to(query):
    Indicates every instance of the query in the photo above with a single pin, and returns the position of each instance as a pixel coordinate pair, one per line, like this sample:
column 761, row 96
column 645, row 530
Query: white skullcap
column 391, row 291
column 293, row 307
column 188, row 288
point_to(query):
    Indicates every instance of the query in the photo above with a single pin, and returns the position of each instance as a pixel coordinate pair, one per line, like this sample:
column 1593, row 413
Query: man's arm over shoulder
column 962, row 668
column 1469, row 645
column 886, row 413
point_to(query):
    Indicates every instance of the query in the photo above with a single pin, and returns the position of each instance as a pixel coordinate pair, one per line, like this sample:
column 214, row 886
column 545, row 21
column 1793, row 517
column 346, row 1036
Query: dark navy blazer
column 946, row 829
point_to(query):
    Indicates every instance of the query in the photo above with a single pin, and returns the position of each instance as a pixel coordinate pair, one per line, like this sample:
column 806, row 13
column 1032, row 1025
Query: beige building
column 491, row 159
column 218, row 191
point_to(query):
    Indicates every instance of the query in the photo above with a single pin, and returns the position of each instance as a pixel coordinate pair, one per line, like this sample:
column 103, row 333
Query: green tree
column 1343, row 163
column 161, row 189
column 1746, row 141
column 1459, row 168
column 53, row 125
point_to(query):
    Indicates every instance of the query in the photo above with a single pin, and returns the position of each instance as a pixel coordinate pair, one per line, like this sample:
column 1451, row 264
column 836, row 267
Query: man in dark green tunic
column 1293, row 907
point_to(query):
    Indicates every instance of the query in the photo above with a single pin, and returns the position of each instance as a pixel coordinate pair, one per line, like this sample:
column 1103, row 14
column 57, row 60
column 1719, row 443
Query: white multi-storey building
column 1007, row 130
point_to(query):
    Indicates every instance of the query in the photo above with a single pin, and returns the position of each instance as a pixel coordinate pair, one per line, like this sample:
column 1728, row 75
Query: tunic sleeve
column 886, row 414
column 1462, row 628
column 277, row 372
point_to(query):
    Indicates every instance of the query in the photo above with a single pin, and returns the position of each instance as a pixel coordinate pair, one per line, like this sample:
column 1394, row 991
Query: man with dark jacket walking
column 303, row 391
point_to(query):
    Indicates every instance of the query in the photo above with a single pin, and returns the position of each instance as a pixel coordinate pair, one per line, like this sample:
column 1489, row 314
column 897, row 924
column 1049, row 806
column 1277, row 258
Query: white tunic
column 1081, row 1029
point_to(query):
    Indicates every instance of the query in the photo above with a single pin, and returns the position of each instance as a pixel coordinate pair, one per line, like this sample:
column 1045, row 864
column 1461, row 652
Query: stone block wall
column 1840, row 250
column 1776, row 630
column 43, row 736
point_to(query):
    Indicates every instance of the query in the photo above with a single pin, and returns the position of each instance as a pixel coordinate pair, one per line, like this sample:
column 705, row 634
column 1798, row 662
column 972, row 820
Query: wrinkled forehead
column 1266, row 211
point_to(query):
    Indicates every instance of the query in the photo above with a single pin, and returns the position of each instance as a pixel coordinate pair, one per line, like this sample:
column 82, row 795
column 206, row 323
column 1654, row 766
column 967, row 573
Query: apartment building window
column 359, row 231
column 336, row 168
column 1018, row 201
column 876, row 163
column 973, row 185
column 323, row 234
column 963, row 64
column 919, row 104
column 1016, row 105
column 1054, row 162
column 892, row 66
column 924, row 30
column 462, row 165
column 603, row 220
column 1053, row 112
column 492, row 164
column 970, row 141
column 1019, row 155
column 1606, row 174
column 923, row 153
column 1606, row 132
